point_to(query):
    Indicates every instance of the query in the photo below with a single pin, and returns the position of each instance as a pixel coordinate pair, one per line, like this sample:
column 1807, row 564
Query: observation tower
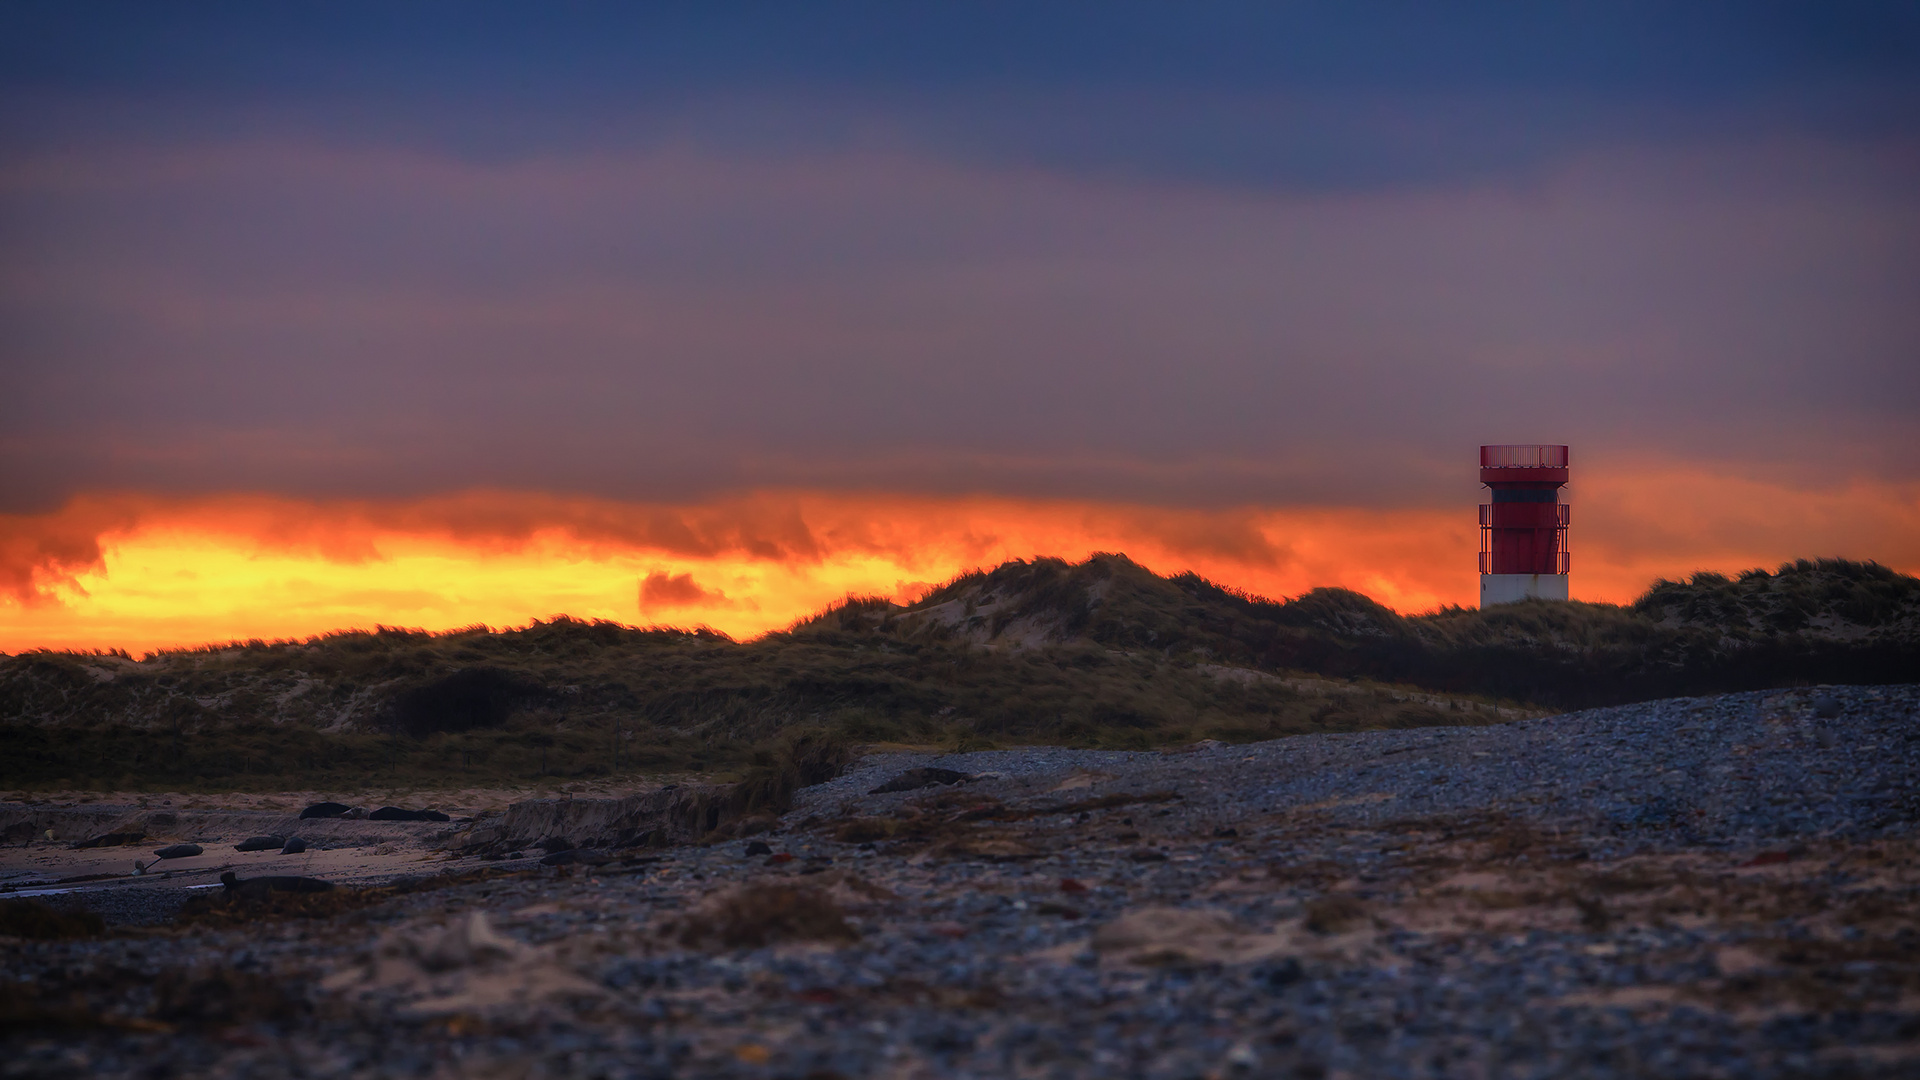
column 1523, row 531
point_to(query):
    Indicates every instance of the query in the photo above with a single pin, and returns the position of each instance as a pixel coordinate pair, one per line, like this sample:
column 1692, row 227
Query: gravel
column 1707, row 886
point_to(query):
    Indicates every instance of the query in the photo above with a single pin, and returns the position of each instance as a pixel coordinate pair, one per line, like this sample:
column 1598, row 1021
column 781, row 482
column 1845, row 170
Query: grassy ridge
column 1101, row 653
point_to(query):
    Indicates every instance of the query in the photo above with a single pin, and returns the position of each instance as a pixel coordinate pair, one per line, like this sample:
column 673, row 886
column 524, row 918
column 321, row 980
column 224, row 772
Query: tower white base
column 1507, row 588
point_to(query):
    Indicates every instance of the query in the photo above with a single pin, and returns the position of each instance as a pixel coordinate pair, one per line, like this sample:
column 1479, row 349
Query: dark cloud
column 1233, row 255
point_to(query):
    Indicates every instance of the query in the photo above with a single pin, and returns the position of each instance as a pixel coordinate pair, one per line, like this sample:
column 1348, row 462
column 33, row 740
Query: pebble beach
column 1719, row 886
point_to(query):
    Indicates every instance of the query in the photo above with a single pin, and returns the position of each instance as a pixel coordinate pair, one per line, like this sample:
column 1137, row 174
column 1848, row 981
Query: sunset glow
column 694, row 317
column 191, row 572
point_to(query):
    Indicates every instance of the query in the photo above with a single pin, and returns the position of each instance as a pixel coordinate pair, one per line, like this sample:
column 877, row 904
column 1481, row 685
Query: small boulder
column 293, row 846
column 260, row 843
column 915, row 779
column 395, row 813
column 758, row 847
column 324, row 810
column 180, row 851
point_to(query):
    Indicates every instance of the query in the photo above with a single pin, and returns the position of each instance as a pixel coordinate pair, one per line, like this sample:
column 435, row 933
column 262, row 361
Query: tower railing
column 1562, row 560
column 1523, row 457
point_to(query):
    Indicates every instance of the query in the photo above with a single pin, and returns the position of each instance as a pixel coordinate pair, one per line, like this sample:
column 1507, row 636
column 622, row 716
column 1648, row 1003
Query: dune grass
column 1097, row 654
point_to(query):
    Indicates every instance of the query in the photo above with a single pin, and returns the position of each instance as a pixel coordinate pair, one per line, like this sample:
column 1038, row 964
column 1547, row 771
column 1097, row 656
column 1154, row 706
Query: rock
column 294, row 846
column 180, row 851
column 324, row 810
column 112, row 839
column 915, row 779
column 261, row 843
column 758, row 847
column 257, row 888
column 395, row 813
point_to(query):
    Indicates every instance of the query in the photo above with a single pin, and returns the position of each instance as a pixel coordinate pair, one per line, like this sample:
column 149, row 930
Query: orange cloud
column 141, row 572
column 660, row 590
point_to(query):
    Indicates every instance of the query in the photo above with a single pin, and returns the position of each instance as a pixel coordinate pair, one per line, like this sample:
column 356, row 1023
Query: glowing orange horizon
column 142, row 573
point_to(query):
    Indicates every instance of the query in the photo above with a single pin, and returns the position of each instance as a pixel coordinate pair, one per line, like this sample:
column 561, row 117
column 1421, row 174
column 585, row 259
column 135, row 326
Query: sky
column 337, row 315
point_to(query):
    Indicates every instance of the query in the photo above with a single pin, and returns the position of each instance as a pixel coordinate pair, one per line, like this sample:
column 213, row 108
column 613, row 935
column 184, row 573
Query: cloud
column 41, row 555
column 669, row 326
column 661, row 591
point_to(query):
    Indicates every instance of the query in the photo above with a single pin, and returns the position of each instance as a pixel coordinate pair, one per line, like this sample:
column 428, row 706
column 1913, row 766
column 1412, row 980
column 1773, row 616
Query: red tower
column 1523, row 531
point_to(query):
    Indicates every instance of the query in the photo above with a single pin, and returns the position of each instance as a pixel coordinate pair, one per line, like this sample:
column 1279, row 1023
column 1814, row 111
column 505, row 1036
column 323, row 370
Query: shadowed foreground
column 1681, row 888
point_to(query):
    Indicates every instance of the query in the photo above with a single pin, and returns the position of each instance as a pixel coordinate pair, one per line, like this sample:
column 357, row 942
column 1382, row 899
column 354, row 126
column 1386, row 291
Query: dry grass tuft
column 36, row 921
column 762, row 914
column 223, row 997
column 1335, row 914
column 28, row 1008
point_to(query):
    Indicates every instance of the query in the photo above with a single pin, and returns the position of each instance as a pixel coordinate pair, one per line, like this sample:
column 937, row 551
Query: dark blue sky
column 1140, row 251
column 1259, row 93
